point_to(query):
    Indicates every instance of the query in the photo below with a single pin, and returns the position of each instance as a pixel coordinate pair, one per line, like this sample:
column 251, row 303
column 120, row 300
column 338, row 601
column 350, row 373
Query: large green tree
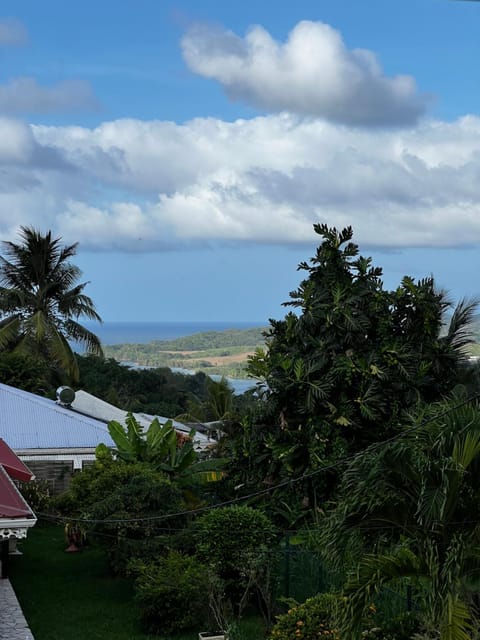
column 342, row 367
column 41, row 302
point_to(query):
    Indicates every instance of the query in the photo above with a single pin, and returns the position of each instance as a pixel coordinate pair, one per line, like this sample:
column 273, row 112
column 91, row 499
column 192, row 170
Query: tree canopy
column 351, row 357
column 41, row 302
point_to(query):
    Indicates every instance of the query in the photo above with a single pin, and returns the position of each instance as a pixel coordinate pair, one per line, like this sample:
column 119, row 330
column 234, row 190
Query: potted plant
column 75, row 536
column 219, row 609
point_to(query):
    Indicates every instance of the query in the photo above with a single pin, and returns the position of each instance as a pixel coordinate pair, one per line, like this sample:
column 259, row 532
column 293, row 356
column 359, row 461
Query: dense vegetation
column 154, row 391
column 342, row 372
column 158, row 391
column 362, row 447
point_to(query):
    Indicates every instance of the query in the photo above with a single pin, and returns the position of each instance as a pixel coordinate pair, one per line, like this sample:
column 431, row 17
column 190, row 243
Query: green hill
column 215, row 352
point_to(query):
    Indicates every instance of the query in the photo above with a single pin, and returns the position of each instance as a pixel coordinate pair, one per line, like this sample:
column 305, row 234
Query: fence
column 301, row 574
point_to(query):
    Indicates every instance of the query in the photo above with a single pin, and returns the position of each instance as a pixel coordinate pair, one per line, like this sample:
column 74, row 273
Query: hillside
column 215, row 352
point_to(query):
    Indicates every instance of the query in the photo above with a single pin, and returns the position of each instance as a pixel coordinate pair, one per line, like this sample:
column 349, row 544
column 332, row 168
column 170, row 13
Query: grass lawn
column 71, row 595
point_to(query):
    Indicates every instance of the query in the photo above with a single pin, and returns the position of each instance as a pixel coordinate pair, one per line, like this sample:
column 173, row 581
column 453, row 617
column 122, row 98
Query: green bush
column 111, row 487
column 311, row 620
column 173, row 594
column 37, row 494
column 400, row 627
column 239, row 544
column 317, row 618
column 229, row 536
column 132, row 499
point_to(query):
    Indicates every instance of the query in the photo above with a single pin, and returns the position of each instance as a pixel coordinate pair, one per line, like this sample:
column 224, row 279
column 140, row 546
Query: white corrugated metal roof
column 88, row 404
column 28, row 421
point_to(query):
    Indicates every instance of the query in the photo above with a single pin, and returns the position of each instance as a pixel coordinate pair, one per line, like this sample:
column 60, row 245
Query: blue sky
column 190, row 146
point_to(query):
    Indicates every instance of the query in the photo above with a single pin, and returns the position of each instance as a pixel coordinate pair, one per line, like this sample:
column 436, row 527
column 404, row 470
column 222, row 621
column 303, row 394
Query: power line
column 267, row 490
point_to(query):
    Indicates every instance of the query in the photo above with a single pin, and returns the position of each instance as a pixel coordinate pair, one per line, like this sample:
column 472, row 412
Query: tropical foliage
column 172, row 593
column 341, row 369
column 360, row 439
column 413, row 506
column 41, row 302
column 24, row 372
column 238, row 544
column 129, row 506
column 163, row 449
column 154, row 391
column 313, row 619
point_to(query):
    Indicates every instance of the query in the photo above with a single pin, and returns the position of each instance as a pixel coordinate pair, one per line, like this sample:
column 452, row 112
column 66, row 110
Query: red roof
column 12, row 505
column 12, row 464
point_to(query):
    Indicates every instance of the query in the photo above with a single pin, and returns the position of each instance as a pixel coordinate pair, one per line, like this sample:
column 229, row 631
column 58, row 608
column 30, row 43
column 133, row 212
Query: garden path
column 13, row 625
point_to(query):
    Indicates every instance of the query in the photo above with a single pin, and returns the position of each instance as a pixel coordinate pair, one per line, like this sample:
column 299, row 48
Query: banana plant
column 159, row 447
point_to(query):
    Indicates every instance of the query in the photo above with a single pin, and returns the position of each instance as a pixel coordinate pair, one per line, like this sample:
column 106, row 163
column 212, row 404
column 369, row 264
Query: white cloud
column 312, row 73
column 16, row 142
column 135, row 186
column 12, row 33
column 25, row 95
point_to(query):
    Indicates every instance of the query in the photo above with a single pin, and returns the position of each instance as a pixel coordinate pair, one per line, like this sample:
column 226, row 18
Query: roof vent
column 65, row 396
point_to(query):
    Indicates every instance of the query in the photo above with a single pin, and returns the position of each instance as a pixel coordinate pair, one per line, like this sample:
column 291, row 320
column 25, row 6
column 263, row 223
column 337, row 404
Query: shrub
column 311, row 620
column 132, row 498
column 173, row 594
column 230, row 536
column 400, row 627
column 239, row 545
column 37, row 493
column 316, row 618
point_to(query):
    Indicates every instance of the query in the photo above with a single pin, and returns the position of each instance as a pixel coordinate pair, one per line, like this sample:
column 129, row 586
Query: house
column 58, row 438
column 16, row 517
column 51, row 438
column 88, row 404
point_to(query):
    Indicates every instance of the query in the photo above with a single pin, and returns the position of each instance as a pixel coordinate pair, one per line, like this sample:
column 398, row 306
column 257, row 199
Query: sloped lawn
column 71, row 595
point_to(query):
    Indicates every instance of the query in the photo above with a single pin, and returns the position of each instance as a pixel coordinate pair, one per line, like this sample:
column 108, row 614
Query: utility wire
column 267, row 490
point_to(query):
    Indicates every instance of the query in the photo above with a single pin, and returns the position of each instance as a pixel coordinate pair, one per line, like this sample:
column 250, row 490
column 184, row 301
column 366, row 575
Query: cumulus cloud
column 25, row 95
column 35, row 179
column 313, row 73
column 12, row 33
column 139, row 186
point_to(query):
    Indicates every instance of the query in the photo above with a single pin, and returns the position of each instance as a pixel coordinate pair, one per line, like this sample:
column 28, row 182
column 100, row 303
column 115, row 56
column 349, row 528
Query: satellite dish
column 65, row 396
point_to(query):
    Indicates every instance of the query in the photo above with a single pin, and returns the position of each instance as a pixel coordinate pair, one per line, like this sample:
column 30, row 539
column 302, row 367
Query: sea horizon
column 139, row 332
column 125, row 332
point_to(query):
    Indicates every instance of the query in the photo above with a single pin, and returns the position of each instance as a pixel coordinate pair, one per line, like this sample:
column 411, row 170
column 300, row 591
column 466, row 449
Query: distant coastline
column 112, row 333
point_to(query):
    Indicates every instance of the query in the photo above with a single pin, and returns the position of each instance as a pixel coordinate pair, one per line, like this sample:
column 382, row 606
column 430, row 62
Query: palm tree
column 415, row 501
column 41, row 301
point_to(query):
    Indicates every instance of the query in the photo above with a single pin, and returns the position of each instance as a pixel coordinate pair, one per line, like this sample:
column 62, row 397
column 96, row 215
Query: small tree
column 132, row 508
column 238, row 544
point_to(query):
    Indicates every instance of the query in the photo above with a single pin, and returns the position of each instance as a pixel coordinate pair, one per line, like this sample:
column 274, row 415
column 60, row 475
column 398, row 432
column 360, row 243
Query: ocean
column 143, row 332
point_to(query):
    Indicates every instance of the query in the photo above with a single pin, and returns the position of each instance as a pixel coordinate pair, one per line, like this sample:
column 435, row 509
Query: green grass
column 71, row 595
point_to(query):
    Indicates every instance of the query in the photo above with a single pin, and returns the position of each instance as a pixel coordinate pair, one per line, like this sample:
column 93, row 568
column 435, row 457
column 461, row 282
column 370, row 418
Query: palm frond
column 80, row 334
column 460, row 329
